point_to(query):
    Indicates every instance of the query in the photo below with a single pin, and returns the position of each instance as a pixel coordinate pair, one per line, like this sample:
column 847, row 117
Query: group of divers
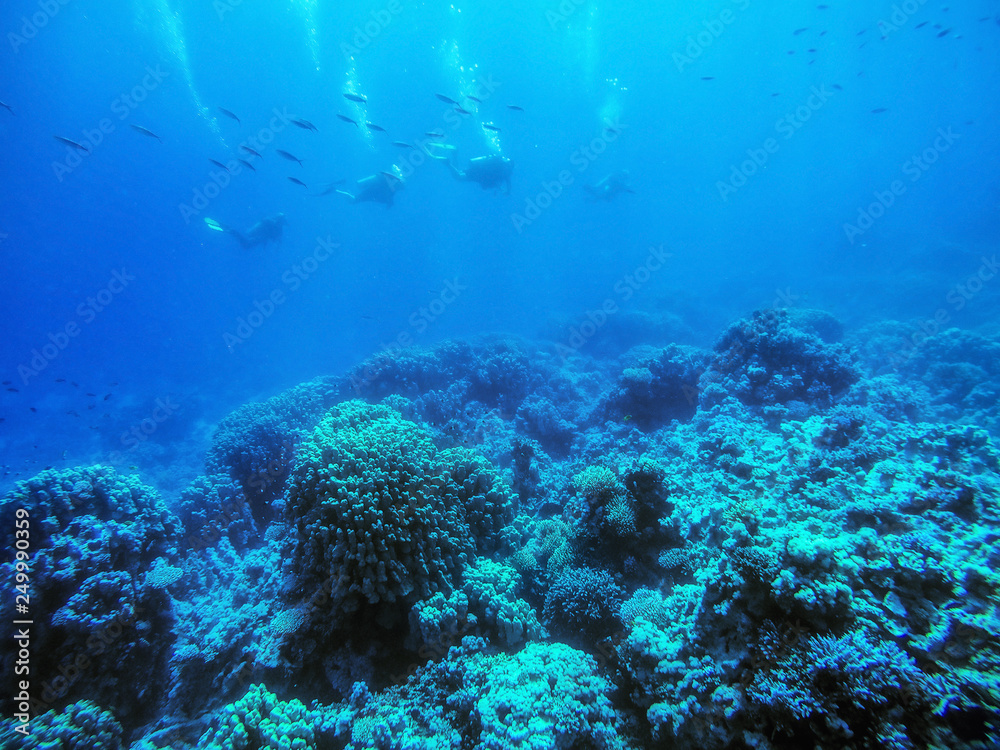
column 492, row 171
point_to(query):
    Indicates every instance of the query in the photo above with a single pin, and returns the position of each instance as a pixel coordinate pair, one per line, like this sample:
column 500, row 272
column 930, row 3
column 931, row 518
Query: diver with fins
column 267, row 230
column 610, row 187
column 491, row 171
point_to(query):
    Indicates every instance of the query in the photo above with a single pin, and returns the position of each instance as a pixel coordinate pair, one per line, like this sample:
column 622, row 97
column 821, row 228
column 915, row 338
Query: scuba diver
column 491, row 171
column 611, row 186
column 265, row 231
column 377, row 188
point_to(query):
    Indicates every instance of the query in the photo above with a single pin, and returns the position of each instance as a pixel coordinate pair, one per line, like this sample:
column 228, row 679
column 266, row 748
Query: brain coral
column 380, row 509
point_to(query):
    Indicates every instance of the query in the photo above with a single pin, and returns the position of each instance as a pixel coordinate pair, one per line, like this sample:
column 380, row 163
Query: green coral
column 81, row 726
column 379, row 509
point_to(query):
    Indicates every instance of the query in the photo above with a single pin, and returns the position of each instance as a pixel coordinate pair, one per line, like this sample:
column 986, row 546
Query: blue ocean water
column 364, row 363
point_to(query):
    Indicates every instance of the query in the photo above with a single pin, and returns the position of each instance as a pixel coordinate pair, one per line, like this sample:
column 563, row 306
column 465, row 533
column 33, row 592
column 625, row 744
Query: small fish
column 401, row 144
column 74, row 384
column 799, row 31
column 776, row 94
column 355, row 98
column 74, row 144
column 73, row 413
column 91, row 394
column 921, row 24
column 251, row 151
column 107, row 396
column 286, row 155
column 515, row 108
column 298, row 182
column 33, row 409
column 247, row 164
column 345, row 118
column 838, row 87
column 462, row 111
column 861, row 32
column 373, row 126
column 434, row 134
column 879, row 110
column 7, row 382
column 475, row 99
column 367, row 317
column 146, row 131
column 708, row 78
column 811, row 49
column 13, row 390
column 7, row 107
column 227, row 113
column 220, row 165
column 446, row 99
column 305, row 125
column 943, row 33
column 494, row 128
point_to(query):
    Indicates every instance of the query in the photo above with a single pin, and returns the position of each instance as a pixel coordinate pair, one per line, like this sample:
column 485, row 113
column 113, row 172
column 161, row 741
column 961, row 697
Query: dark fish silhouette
column 401, row 144
column 373, row 126
column 74, row 144
column 944, row 33
column 712, row 78
column 475, row 99
column 250, row 151
column 220, row 165
column 462, row 111
column 345, row 118
column 7, row 107
column 515, row 108
column 879, row 110
column 305, row 125
column 145, row 131
column 227, row 113
column 286, row 155
column 248, row 165
column 298, row 182
column 494, row 128
column 446, row 99
column 356, row 98
column 434, row 134
column 799, row 31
